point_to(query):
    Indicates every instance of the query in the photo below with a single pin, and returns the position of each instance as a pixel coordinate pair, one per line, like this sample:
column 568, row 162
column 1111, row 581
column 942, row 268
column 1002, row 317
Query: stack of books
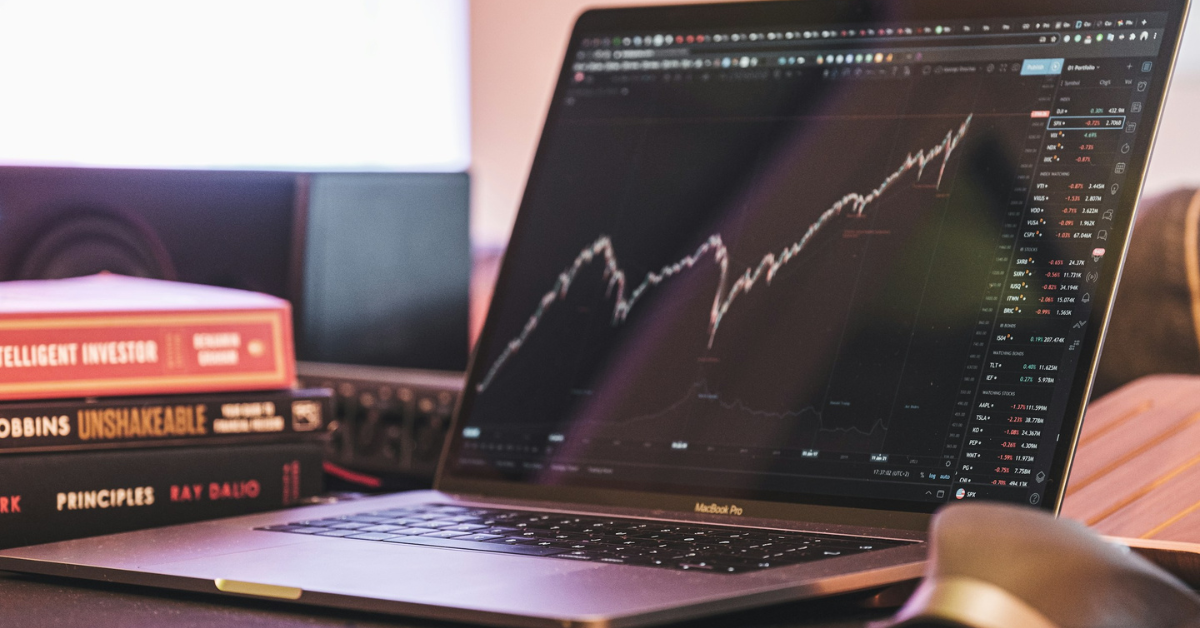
column 128, row 403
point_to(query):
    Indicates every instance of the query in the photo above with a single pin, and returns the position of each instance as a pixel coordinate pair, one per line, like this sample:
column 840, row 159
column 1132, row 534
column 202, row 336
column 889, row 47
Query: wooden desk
column 1137, row 468
column 34, row 601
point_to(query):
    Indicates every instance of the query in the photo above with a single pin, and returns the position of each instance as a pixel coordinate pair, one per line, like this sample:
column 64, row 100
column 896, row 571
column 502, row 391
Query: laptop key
column 349, row 525
column 528, row 550
column 468, row 527
column 372, row 536
column 445, row 534
column 420, row 530
column 577, row 555
column 335, row 533
column 321, row 523
column 439, row 524
column 381, row 528
column 299, row 529
column 517, row 540
column 412, row 531
column 365, row 519
column 481, row 537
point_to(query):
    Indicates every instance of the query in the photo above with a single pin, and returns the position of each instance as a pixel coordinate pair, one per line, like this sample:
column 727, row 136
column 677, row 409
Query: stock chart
column 869, row 275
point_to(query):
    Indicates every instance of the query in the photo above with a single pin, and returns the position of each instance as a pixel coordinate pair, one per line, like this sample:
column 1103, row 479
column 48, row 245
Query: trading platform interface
column 831, row 262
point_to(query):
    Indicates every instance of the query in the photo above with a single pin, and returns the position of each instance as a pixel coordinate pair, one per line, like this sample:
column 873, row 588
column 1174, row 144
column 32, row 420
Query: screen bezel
column 807, row 507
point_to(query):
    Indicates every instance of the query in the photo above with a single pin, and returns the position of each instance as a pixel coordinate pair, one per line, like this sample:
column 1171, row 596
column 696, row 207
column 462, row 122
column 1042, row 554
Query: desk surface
column 39, row 601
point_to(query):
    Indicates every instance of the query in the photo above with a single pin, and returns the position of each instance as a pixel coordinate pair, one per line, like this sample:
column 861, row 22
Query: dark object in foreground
column 1038, row 572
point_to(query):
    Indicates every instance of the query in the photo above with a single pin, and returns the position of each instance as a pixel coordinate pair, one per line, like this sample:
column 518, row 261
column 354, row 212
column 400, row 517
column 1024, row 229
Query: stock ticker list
column 837, row 263
column 1048, row 263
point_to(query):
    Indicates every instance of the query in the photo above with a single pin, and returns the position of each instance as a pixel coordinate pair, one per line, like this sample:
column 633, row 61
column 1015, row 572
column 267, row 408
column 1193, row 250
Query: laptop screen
column 855, row 262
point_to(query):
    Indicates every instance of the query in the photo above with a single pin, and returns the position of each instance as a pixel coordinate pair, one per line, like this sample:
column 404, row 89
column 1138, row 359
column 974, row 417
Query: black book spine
column 122, row 422
column 54, row 497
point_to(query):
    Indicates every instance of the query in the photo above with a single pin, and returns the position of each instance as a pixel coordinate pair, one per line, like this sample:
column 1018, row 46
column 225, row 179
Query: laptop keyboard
column 662, row 544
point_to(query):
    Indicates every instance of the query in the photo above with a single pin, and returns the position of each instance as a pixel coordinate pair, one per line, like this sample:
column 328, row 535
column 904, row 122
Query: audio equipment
column 389, row 424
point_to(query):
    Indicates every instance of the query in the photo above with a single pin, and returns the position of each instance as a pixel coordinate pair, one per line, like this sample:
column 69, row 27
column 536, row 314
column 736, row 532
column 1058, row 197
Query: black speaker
column 387, row 270
column 377, row 265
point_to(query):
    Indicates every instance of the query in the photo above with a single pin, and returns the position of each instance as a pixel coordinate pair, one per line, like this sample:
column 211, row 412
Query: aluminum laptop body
column 819, row 266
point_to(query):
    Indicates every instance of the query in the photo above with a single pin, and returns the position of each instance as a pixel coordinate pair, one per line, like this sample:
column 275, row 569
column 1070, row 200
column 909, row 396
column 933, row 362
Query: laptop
column 787, row 278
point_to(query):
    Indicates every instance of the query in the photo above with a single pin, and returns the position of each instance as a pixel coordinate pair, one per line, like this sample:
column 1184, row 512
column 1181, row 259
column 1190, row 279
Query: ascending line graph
column 852, row 204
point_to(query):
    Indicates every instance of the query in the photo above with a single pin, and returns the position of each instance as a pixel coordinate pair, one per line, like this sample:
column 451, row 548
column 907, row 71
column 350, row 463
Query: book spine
column 106, row 423
column 154, row 353
column 56, row 497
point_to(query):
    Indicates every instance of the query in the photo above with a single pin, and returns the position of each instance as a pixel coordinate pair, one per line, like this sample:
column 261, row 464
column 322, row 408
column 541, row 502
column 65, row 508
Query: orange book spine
column 46, row 356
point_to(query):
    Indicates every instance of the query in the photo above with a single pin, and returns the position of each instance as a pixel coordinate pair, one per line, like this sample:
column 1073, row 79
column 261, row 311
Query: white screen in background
column 255, row 84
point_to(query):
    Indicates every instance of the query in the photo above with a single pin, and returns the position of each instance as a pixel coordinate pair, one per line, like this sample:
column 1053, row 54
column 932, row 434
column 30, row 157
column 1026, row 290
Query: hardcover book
column 108, row 335
column 191, row 419
column 53, row 497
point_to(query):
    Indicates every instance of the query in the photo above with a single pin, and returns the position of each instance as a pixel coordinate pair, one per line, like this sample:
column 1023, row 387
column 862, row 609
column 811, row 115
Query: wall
column 1175, row 162
column 228, row 84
